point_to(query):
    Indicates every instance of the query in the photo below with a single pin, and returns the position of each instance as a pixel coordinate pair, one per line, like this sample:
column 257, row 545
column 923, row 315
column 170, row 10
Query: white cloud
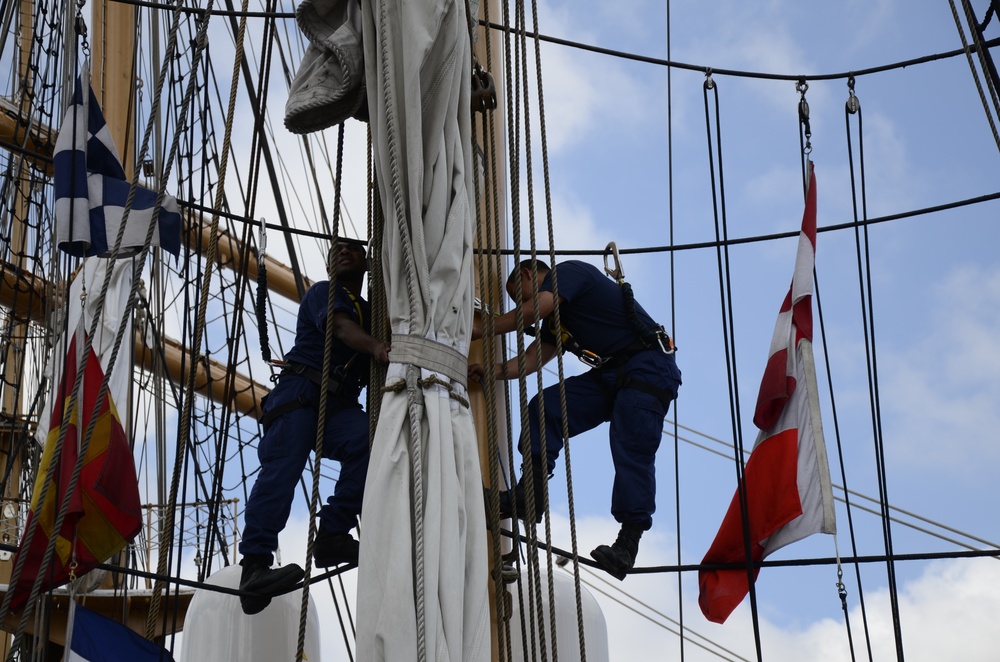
column 943, row 388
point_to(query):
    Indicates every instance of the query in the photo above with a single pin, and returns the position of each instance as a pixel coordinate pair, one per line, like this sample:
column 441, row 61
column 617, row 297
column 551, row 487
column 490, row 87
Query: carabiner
column 617, row 273
column 590, row 358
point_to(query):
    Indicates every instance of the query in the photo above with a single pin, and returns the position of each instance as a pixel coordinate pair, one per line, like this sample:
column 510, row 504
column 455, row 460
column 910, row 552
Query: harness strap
column 301, row 401
column 316, row 376
column 665, row 396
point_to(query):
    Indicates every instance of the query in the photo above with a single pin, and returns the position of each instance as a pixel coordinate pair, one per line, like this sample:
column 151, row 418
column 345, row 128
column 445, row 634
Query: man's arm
column 508, row 369
column 352, row 334
column 508, row 321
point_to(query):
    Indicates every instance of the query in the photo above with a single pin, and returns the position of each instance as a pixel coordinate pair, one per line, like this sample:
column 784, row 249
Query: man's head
column 526, row 269
column 347, row 258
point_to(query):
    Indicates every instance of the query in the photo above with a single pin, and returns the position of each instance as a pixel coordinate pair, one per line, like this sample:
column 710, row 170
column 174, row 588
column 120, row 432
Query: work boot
column 259, row 582
column 334, row 548
column 619, row 558
column 507, row 501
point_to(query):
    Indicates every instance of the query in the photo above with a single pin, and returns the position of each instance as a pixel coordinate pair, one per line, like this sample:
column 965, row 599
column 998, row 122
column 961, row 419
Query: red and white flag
column 787, row 477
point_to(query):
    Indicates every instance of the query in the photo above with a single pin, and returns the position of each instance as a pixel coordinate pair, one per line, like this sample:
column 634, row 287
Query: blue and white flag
column 91, row 189
column 95, row 638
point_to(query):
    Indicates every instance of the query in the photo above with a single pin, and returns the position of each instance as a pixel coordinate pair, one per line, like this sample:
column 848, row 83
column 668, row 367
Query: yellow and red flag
column 104, row 512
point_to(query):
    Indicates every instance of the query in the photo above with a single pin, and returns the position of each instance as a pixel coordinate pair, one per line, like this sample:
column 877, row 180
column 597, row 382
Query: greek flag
column 91, row 189
column 95, row 638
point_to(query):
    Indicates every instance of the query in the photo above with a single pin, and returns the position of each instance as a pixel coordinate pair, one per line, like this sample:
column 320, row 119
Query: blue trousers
column 636, row 419
column 283, row 452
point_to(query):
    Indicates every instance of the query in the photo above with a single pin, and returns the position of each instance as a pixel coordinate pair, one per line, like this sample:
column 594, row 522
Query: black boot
column 507, row 500
column 619, row 558
column 259, row 582
column 334, row 548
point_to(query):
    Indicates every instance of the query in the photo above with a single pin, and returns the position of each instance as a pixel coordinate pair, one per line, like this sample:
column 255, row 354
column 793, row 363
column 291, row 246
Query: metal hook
column 617, row 273
column 262, row 250
column 709, row 82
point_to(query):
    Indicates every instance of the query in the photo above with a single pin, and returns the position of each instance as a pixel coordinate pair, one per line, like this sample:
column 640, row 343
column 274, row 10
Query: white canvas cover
column 423, row 532
column 217, row 630
column 90, row 279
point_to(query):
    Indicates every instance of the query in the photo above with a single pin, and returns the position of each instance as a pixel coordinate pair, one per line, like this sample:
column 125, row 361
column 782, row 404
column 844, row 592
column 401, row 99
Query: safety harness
column 648, row 338
column 338, row 374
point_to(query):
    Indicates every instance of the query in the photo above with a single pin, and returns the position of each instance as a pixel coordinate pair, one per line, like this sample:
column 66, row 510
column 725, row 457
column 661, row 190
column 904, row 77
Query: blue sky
column 935, row 284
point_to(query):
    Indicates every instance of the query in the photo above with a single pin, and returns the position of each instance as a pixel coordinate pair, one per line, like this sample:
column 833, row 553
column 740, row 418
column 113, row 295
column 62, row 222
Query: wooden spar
column 20, row 131
column 41, row 141
column 112, row 72
column 210, row 378
column 232, row 254
column 491, row 264
column 25, row 295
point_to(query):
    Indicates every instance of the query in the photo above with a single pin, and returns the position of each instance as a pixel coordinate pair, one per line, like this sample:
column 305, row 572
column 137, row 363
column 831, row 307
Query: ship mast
column 486, row 264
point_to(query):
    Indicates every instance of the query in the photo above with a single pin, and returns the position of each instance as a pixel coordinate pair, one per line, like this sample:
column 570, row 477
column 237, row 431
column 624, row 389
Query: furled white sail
column 422, row 590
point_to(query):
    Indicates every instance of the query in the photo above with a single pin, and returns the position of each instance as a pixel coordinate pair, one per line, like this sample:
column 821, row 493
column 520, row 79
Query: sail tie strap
column 430, row 355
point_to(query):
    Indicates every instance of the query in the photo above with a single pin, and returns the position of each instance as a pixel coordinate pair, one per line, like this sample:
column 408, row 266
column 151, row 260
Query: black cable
column 729, row 340
column 853, row 106
column 745, row 74
column 902, row 64
column 989, row 197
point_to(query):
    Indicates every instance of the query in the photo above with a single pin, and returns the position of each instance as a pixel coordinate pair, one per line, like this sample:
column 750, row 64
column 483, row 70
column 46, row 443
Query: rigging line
column 673, row 321
column 102, row 394
column 786, row 563
column 913, row 213
column 214, row 496
column 184, row 425
column 985, row 58
column 269, row 162
column 489, row 276
column 532, row 503
column 324, row 400
column 898, row 520
column 224, row 417
column 852, row 107
column 192, row 583
column 843, row 472
column 749, row 74
column 617, row 589
column 158, row 346
column 513, row 115
column 306, row 146
column 972, row 67
column 729, row 339
column 868, row 321
column 567, row 464
column 340, row 617
column 199, row 11
column 989, row 197
column 632, row 56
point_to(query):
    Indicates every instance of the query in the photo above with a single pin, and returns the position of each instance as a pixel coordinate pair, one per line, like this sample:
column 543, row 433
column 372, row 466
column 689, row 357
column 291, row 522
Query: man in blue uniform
column 290, row 417
column 631, row 385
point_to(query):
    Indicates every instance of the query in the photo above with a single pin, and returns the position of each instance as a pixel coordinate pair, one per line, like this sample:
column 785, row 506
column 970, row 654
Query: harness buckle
column 590, row 358
column 665, row 342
